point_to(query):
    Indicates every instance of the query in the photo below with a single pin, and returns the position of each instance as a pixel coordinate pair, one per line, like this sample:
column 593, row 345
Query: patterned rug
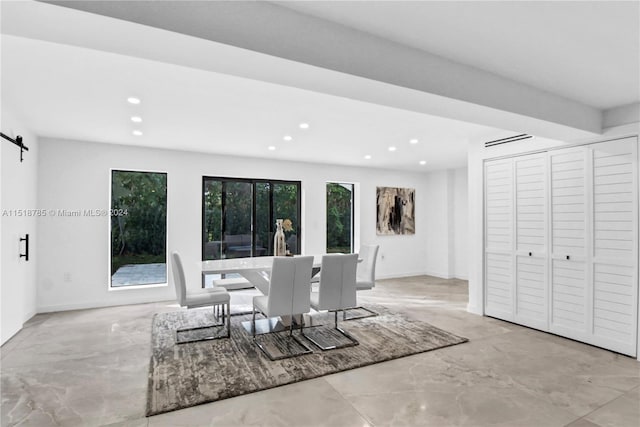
column 184, row 375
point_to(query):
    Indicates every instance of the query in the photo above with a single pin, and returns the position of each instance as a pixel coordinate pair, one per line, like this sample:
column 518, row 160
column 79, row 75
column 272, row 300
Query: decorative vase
column 279, row 243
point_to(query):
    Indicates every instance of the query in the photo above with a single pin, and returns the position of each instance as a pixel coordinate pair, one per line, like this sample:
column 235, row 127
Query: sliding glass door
column 239, row 216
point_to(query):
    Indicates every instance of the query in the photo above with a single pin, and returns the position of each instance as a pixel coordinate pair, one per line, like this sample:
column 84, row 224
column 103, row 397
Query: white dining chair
column 216, row 298
column 336, row 291
column 289, row 288
column 365, row 278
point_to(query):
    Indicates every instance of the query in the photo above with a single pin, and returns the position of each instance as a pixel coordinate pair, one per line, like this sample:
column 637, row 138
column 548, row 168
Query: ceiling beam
column 306, row 52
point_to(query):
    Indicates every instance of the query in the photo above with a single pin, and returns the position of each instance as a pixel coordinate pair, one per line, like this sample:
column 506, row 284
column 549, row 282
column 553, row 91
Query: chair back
column 289, row 286
column 337, row 287
column 367, row 268
column 178, row 278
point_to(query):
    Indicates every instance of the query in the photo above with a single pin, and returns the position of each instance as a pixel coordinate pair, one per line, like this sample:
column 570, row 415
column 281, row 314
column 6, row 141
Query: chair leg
column 216, row 325
column 326, row 345
column 305, row 348
column 228, row 316
column 253, row 323
column 371, row 313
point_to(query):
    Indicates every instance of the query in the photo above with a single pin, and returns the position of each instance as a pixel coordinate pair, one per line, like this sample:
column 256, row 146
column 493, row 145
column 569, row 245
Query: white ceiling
column 588, row 51
column 73, row 92
column 77, row 93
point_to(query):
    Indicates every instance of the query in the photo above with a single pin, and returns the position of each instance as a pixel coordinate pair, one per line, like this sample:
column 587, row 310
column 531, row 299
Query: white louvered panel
column 530, row 176
column 569, row 298
column 615, row 207
column 568, row 287
column 499, row 209
column 499, row 285
column 614, row 305
column 499, row 205
column 568, row 203
column 536, row 192
column 569, row 220
column 615, row 246
column 531, row 291
column 531, row 240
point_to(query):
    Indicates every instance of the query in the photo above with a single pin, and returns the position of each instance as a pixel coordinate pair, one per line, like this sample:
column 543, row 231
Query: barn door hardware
column 18, row 142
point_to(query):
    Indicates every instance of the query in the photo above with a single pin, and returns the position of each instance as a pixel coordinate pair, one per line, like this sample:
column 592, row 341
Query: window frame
column 166, row 239
column 253, row 182
column 353, row 213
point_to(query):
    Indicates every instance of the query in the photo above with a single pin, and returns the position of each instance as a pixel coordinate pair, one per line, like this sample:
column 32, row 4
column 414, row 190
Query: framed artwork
column 396, row 211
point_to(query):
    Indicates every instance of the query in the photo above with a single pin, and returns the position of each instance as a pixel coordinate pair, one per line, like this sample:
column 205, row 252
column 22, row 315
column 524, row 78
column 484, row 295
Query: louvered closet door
column 499, row 280
column 569, row 279
column 615, row 245
column 531, row 236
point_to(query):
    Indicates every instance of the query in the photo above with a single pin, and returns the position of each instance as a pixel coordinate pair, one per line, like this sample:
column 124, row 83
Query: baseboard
column 98, row 304
column 462, row 277
column 474, row 309
column 397, row 276
column 12, row 334
column 29, row 315
column 439, row 274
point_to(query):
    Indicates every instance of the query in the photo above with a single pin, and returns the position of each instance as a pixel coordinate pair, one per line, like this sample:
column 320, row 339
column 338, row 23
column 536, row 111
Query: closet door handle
column 529, row 253
column 568, row 257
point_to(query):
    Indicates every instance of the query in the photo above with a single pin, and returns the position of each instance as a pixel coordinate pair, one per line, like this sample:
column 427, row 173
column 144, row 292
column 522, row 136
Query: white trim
column 439, row 274
column 355, row 212
column 150, row 285
column 474, row 309
column 166, row 232
column 397, row 276
column 102, row 303
column 558, row 147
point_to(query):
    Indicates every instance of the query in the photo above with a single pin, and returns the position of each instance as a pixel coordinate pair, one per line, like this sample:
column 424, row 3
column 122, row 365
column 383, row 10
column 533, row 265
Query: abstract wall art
column 396, row 211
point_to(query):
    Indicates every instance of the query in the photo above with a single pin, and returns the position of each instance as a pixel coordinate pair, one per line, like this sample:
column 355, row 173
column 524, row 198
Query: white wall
column 446, row 218
column 460, row 219
column 19, row 190
column 75, row 175
column 438, row 223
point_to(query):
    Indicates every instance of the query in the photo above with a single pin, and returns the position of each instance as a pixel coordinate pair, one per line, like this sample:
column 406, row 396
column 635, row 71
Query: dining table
column 257, row 271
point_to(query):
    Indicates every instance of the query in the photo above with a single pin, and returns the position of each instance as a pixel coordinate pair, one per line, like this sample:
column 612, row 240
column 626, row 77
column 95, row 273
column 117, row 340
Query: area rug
column 184, row 375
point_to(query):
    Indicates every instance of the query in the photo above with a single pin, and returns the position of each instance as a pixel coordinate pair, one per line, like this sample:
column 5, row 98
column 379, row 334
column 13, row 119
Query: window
column 239, row 216
column 138, row 228
column 339, row 217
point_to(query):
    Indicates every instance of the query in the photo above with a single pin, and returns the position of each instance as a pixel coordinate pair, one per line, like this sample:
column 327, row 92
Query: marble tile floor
column 89, row 368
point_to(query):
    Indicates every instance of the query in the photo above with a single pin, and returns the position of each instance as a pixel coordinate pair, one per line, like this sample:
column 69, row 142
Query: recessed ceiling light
column 271, row 147
column 133, row 100
column 304, row 125
column 136, row 119
column 137, row 132
column 392, row 148
column 423, row 162
column 367, row 157
column 287, row 138
column 413, row 141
